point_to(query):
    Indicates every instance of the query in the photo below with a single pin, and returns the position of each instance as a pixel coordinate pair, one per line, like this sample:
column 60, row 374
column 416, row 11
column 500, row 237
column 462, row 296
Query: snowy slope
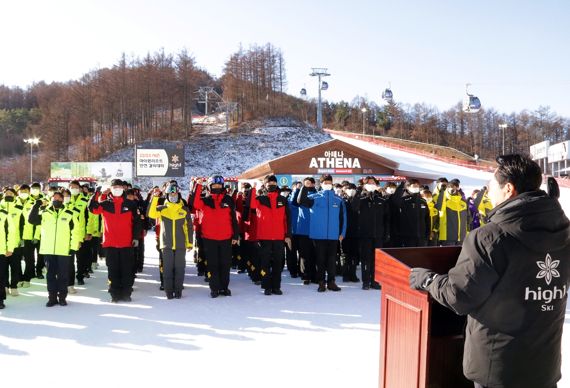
column 300, row 339
column 214, row 151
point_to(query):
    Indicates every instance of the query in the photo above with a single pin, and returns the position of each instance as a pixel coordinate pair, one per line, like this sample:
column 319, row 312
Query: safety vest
column 8, row 234
column 31, row 232
column 57, row 237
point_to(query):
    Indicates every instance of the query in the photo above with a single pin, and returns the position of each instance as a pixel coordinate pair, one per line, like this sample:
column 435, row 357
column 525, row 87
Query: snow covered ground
column 300, row 339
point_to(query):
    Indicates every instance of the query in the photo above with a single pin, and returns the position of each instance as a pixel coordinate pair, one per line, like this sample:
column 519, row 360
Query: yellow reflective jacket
column 8, row 233
column 57, row 230
column 15, row 211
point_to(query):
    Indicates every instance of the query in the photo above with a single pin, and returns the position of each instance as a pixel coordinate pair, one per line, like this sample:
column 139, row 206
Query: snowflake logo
column 548, row 269
column 175, row 159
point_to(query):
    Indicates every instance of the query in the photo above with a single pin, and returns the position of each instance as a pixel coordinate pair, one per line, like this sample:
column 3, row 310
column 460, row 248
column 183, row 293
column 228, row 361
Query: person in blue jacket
column 327, row 226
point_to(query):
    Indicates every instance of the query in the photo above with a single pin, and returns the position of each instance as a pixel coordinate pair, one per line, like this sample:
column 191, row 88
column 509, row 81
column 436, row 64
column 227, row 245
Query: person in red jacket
column 121, row 223
column 219, row 231
column 273, row 231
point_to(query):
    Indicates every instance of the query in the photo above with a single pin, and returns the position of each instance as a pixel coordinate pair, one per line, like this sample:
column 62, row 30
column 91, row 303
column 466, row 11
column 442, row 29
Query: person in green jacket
column 175, row 229
column 8, row 244
column 13, row 272
column 59, row 240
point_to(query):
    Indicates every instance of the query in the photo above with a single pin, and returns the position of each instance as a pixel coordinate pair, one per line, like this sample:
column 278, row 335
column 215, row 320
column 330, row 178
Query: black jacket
column 512, row 279
column 373, row 215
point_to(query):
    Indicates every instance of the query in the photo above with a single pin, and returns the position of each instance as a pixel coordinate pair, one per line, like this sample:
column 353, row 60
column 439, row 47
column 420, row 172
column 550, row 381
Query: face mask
column 50, row 194
column 216, row 191
column 9, row 199
column 66, row 200
column 57, row 204
column 284, row 194
column 75, row 191
column 452, row 191
column 414, row 190
column 351, row 192
column 338, row 192
column 271, row 188
column 390, row 190
column 117, row 192
column 173, row 198
column 326, row 186
column 428, row 200
column 24, row 196
column 35, row 192
column 370, row 187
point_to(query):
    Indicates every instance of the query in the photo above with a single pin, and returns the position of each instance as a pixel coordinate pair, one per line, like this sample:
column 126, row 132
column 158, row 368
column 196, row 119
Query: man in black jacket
column 511, row 279
column 373, row 217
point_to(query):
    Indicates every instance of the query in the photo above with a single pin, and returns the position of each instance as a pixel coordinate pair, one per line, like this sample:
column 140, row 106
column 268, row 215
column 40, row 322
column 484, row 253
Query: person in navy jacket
column 273, row 231
column 327, row 227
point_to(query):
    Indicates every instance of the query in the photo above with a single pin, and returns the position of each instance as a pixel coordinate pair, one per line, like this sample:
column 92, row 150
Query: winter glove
column 421, row 278
column 135, row 243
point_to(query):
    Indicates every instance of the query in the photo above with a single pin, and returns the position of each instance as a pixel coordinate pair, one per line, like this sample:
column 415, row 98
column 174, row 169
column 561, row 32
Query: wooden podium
column 421, row 342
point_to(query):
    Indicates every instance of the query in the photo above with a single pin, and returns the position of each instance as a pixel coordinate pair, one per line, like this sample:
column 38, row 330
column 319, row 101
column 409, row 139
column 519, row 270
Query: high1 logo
column 547, row 271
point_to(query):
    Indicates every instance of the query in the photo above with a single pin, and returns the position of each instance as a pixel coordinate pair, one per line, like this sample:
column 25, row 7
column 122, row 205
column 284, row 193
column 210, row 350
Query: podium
column 421, row 342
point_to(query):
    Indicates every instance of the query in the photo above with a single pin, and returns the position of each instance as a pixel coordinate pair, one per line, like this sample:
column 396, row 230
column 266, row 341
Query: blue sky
column 514, row 53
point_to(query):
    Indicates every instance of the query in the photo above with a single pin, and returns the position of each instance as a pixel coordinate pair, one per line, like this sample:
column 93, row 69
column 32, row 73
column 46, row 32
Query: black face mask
column 57, row 204
column 271, row 188
column 216, row 191
column 9, row 199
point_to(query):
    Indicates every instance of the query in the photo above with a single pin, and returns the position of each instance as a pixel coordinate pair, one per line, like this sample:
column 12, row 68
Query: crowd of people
column 318, row 230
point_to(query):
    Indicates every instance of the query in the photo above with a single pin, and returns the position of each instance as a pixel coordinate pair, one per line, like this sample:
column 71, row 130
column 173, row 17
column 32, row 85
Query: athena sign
column 334, row 159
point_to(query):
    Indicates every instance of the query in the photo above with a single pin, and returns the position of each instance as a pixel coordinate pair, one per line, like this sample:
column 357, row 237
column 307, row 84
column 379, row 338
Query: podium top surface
column 393, row 265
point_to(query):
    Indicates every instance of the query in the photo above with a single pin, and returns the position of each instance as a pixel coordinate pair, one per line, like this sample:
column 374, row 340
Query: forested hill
column 156, row 97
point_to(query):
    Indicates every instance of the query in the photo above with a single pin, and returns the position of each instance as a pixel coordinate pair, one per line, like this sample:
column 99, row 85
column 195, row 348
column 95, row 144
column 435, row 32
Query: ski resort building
column 340, row 159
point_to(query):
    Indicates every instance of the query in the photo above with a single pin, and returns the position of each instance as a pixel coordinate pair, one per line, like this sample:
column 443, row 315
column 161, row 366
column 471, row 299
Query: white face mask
column 326, row 186
column 117, row 191
column 66, row 200
column 351, row 192
column 390, row 190
column 338, row 192
column 414, row 189
column 370, row 187
column 173, row 198
column 35, row 192
column 284, row 194
column 428, row 200
column 24, row 196
column 74, row 191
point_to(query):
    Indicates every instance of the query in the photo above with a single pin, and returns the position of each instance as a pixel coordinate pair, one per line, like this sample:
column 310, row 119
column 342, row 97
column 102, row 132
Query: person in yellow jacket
column 8, row 243
column 433, row 219
column 175, row 229
column 453, row 214
column 95, row 231
column 79, row 202
column 14, row 209
column 59, row 240
column 30, row 237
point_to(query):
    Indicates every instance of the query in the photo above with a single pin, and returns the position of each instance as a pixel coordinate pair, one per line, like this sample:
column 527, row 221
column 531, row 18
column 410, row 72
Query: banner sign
column 160, row 162
column 539, row 150
column 104, row 172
